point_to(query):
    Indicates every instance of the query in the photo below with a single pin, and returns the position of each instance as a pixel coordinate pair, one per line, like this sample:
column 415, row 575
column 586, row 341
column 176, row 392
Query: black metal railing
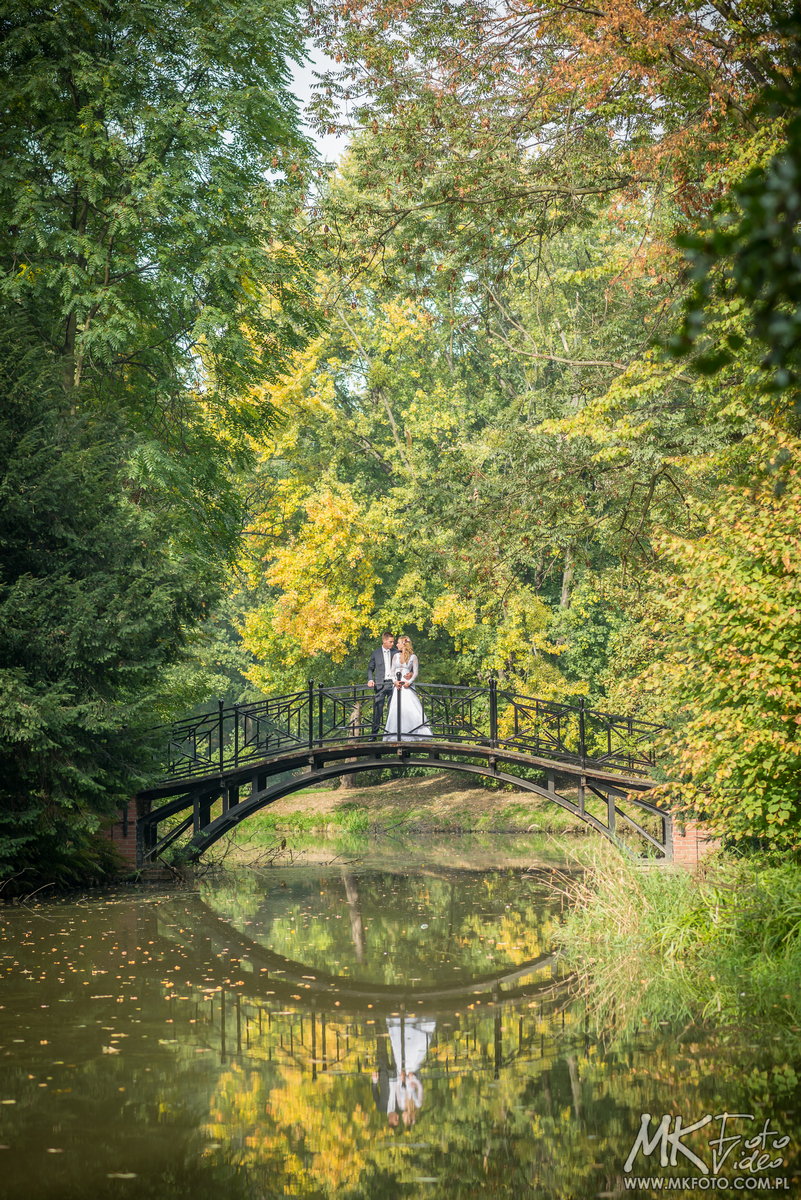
column 486, row 716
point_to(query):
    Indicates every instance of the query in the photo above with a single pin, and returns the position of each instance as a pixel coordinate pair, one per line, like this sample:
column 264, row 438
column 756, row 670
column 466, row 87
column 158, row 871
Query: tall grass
column 653, row 945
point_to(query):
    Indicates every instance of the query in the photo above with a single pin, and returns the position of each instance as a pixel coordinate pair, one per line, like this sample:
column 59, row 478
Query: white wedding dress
column 412, row 718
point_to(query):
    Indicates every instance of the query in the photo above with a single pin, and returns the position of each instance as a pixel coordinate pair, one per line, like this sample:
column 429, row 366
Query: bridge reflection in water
column 322, row 1022
column 221, row 767
column 367, row 1045
column 245, row 1043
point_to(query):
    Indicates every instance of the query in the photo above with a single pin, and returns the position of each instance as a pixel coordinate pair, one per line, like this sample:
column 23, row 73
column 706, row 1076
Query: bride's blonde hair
column 405, row 648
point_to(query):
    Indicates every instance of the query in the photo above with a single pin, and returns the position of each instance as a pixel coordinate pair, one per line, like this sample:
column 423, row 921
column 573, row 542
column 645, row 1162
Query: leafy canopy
column 152, row 276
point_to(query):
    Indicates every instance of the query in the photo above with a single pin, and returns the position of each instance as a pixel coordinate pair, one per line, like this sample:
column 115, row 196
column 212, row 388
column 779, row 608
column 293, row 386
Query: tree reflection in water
column 519, row 1101
column 253, row 1042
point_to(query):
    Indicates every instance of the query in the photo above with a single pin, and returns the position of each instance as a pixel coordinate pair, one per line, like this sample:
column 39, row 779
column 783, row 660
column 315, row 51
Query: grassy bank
column 651, row 945
column 432, row 804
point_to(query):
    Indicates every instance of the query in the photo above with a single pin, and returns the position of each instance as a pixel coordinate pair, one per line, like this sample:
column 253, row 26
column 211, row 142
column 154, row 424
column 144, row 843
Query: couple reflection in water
column 397, row 1089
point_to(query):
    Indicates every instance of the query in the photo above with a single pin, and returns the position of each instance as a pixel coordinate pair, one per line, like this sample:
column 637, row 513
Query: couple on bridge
column 391, row 672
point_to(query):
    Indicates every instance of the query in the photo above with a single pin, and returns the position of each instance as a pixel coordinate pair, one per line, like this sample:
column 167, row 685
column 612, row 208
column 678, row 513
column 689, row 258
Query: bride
column 404, row 670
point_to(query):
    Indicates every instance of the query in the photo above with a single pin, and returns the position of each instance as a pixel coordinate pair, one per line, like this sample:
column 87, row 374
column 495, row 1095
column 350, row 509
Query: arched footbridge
column 223, row 766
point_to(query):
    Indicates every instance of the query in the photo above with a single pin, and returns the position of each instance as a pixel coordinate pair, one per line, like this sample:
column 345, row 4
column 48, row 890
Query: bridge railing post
column 310, row 703
column 582, row 732
column 667, row 836
column 493, row 702
column 220, row 704
column 319, row 714
column 236, row 735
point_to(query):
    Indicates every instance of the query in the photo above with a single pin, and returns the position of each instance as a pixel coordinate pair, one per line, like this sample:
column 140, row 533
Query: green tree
column 153, row 165
column 726, row 639
column 153, row 160
column 152, row 273
column 95, row 594
column 466, row 456
column 372, row 517
column 750, row 254
column 489, row 119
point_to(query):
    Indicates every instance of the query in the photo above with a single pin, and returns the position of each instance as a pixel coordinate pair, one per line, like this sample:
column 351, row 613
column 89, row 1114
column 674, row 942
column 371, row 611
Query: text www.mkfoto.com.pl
column 706, row 1183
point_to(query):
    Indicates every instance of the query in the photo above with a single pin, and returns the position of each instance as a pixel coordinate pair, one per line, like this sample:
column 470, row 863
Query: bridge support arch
column 614, row 798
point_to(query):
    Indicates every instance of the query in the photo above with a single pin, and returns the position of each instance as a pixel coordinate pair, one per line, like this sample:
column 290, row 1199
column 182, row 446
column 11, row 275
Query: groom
column 380, row 679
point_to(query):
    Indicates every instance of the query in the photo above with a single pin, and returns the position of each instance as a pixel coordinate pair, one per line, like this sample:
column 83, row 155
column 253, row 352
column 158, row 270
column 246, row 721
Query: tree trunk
column 356, row 922
column 567, row 578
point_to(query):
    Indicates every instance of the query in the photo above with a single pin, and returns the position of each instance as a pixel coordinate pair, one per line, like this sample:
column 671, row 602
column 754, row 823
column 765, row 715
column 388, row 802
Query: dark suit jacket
column 380, row 1089
column 375, row 668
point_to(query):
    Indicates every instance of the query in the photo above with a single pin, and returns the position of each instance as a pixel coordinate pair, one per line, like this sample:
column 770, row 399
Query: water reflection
column 410, row 1039
column 325, row 1033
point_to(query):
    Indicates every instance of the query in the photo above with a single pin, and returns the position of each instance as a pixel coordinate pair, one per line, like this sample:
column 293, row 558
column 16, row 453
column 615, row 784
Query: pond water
column 349, row 1030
